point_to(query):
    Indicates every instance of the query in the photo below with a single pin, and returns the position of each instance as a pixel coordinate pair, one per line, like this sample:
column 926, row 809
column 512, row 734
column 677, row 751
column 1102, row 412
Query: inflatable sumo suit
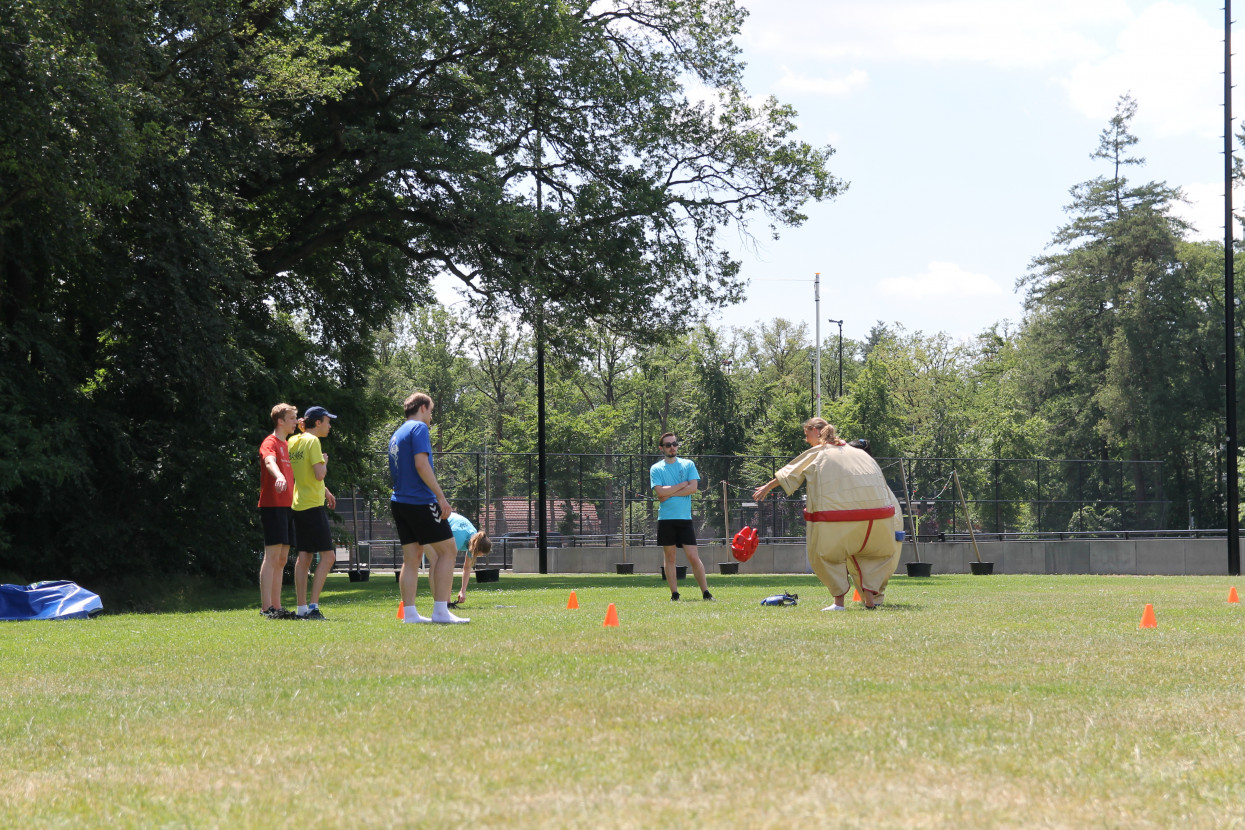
column 851, row 517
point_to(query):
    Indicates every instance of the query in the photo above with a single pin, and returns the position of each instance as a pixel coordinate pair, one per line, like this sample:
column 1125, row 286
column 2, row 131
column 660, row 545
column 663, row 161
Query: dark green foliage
column 210, row 206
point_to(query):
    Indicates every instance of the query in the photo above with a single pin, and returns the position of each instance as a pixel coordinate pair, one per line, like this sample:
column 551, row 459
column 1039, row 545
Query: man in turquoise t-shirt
column 673, row 480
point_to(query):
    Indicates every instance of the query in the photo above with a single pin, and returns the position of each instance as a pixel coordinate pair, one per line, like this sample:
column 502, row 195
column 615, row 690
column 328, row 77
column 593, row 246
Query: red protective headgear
column 744, row 544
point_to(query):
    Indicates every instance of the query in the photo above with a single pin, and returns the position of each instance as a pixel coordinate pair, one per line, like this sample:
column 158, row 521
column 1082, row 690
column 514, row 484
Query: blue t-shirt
column 667, row 474
column 410, row 439
column 462, row 529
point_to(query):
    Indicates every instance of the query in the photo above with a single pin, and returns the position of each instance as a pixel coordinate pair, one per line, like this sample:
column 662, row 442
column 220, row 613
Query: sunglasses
column 671, row 444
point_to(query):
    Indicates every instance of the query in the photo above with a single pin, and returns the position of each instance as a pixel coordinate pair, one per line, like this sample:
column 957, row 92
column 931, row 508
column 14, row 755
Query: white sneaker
column 834, row 608
column 450, row 619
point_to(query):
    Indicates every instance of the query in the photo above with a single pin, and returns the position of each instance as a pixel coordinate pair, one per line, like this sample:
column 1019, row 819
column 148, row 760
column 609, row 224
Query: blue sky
column 961, row 125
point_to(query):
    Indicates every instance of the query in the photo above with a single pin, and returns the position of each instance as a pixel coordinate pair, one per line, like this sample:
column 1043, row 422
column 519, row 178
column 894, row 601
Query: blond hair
column 479, row 544
column 279, row 411
column 830, row 435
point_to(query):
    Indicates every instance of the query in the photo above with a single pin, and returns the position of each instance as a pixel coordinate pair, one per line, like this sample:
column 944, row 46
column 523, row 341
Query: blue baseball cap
column 317, row 412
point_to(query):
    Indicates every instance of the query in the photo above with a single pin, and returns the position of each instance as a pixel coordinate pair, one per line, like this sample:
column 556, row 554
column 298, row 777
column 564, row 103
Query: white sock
column 834, row 608
column 311, row 606
column 302, row 610
column 411, row 614
column 441, row 614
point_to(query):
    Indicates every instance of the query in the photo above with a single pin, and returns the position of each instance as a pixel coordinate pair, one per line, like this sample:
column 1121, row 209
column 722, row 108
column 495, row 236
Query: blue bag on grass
column 58, row 600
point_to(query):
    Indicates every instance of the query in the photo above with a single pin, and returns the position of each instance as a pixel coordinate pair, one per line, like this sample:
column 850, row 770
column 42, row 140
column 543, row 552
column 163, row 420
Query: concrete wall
column 1200, row 557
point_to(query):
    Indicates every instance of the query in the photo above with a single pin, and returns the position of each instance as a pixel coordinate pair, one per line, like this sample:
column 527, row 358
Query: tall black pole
column 542, row 525
column 542, row 489
column 840, row 324
column 840, row 358
column 1229, row 299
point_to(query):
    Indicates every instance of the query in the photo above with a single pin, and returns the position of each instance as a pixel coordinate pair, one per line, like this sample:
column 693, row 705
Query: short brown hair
column 279, row 411
column 416, row 402
column 664, row 436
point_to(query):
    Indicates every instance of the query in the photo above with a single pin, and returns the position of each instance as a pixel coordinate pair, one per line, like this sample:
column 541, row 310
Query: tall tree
column 210, row 206
column 1113, row 333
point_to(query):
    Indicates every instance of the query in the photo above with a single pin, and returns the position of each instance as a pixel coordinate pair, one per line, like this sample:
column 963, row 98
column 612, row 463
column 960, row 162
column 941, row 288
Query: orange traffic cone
column 401, row 611
column 1232, row 595
column 572, row 603
column 611, row 617
column 1147, row 618
column 856, row 596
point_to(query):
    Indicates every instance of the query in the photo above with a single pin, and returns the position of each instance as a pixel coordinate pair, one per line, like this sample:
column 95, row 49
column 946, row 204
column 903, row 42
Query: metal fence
column 594, row 498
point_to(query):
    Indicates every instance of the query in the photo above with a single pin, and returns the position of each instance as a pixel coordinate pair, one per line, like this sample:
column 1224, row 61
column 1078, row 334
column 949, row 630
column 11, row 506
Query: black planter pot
column 728, row 568
column 920, row 568
column 982, row 567
column 624, row 567
column 487, row 574
column 680, row 571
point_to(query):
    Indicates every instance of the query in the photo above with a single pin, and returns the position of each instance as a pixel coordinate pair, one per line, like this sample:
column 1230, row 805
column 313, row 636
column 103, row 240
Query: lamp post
column 1229, row 302
column 840, row 323
column 817, row 337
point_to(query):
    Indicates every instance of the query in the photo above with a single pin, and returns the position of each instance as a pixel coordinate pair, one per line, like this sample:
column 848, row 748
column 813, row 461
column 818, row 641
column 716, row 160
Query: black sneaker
column 674, row 597
column 706, row 596
column 270, row 613
column 283, row 614
column 313, row 614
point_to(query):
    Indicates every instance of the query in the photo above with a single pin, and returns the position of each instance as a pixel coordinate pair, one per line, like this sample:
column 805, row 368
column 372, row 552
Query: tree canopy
column 209, row 206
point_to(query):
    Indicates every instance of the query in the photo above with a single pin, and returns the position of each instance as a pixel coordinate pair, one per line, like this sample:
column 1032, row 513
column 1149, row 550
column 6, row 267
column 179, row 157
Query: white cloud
column 841, row 86
column 1171, row 60
column 941, row 280
column 1003, row 33
column 1205, row 209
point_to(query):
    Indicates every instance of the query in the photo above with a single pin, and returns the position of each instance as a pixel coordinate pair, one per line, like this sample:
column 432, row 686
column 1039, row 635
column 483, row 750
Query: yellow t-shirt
column 304, row 455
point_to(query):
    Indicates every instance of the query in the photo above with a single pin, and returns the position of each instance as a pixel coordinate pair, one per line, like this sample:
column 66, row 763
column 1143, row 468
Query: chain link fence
column 592, row 499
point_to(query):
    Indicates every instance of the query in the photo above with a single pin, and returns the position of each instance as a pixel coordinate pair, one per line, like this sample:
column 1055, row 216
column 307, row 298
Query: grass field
column 1004, row 701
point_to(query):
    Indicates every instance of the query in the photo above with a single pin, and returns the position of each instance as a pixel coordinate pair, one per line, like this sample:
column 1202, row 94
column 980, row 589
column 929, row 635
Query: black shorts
column 278, row 524
column 313, row 531
column 678, row 532
column 420, row 524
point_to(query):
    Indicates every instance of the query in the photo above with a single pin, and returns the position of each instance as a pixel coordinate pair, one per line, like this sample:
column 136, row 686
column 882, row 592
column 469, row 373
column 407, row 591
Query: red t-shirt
column 268, row 495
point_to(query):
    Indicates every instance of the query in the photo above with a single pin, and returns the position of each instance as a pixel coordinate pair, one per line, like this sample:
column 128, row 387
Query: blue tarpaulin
column 60, row 600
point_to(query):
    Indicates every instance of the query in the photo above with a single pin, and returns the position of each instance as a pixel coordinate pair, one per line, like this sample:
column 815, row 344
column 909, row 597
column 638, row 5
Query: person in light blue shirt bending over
column 673, row 480
column 471, row 543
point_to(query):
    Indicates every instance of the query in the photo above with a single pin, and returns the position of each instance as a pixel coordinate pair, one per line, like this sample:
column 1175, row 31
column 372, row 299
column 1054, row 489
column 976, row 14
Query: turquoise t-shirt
column 463, row 530
column 676, row 472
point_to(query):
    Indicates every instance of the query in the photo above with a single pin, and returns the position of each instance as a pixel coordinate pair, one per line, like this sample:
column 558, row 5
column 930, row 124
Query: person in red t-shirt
column 276, row 500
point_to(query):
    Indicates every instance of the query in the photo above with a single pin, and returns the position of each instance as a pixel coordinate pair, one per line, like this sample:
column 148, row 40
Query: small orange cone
column 572, row 603
column 1147, row 618
column 1232, row 597
column 856, row 596
column 401, row 611
column 611, row 617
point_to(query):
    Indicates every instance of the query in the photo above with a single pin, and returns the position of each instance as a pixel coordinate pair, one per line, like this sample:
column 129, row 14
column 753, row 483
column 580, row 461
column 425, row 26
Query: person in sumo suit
column 851, row 517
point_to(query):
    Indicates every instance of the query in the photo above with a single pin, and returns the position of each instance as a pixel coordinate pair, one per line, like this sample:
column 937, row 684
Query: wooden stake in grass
column 907, row 494
column 967, row 518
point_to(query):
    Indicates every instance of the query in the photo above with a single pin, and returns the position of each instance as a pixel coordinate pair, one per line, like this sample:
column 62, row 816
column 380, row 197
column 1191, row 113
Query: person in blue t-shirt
column 421, row 513
column 673, row 480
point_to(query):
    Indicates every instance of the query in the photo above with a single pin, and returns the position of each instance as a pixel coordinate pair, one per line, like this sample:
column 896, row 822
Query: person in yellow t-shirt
column 311, row 518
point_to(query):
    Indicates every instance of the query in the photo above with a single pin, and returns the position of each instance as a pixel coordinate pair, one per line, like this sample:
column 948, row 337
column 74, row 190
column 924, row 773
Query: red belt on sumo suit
column 866, row 514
